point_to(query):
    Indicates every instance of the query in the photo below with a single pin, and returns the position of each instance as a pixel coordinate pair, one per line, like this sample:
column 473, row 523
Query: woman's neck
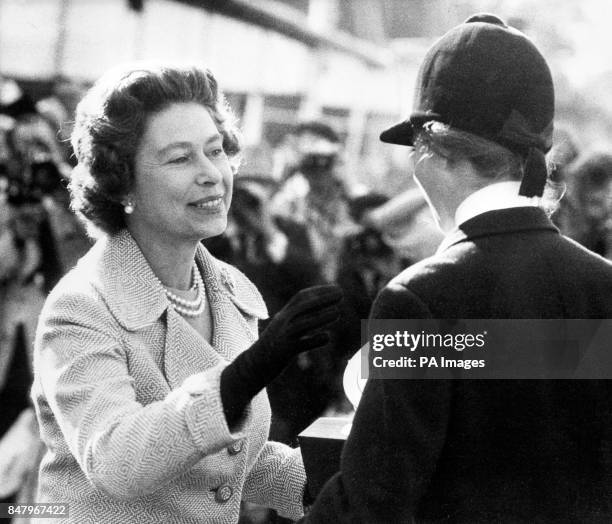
column 171, row 262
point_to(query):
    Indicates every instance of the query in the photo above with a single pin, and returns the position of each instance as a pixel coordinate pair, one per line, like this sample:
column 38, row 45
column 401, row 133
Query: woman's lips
column 208, row 203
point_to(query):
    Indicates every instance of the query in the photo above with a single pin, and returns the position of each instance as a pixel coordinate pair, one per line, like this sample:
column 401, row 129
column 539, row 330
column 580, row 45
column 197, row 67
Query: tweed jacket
column 128, row 399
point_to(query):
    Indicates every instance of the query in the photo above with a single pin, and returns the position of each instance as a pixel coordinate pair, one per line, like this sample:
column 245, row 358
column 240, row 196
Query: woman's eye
column 179, row 159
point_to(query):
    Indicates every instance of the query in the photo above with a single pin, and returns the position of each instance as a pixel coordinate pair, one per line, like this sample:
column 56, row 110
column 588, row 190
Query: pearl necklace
column 189, row 308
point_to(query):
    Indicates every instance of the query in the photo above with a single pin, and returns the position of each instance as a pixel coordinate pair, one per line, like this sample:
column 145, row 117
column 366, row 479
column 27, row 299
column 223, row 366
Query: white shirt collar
column 501, row 195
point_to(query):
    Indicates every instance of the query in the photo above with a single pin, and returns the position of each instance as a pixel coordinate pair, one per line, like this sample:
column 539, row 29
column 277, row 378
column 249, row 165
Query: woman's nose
column 207, row 172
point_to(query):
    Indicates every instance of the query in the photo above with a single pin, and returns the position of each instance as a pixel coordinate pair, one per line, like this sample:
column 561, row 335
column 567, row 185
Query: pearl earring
column 128, row 208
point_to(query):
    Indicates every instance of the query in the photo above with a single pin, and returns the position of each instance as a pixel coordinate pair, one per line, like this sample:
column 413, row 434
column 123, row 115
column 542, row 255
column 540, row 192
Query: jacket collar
column 134, row 294
column 500, row 195
column 499, row 222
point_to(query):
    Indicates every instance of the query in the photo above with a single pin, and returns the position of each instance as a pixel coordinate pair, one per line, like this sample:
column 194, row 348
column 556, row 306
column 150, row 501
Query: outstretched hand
column 302, row 325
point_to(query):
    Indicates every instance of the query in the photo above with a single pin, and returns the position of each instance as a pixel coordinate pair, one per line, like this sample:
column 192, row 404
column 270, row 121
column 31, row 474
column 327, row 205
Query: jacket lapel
column 232, row 333
column 137, row 299
column 186, row 352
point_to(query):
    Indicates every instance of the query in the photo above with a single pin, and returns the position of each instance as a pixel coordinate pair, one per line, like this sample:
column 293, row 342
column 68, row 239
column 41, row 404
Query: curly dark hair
column 110, row 121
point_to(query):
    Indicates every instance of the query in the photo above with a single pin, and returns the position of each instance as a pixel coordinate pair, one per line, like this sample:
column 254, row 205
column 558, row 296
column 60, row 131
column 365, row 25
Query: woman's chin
column 213, row 228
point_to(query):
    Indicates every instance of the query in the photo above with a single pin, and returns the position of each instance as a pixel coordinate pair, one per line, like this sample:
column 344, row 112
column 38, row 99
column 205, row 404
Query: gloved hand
column 299, row 326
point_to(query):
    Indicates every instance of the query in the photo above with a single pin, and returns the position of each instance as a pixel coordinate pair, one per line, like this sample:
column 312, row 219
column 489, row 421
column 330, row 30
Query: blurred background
column 352, row 62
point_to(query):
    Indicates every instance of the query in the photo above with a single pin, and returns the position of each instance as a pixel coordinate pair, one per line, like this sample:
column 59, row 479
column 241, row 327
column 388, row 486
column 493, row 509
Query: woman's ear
column 457, row 163
column 128, row 204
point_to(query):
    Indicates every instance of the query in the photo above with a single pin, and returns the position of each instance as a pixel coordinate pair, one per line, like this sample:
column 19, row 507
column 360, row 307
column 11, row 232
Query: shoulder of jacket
column 422, row 271
column 425, row 281
column 75, row 299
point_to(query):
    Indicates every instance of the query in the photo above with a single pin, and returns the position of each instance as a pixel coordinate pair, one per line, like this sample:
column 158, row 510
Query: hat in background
column 488, row 79
column 14, row 102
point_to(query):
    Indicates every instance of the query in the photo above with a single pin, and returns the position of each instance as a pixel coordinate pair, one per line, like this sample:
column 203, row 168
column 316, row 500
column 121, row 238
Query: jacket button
column 224, row 493
column 235, row 448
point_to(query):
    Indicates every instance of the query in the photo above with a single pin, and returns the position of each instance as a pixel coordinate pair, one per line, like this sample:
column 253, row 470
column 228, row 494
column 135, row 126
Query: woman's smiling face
column 183, row 179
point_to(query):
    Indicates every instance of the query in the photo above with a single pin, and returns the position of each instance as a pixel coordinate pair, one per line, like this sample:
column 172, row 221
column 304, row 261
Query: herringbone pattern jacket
column 127, row 397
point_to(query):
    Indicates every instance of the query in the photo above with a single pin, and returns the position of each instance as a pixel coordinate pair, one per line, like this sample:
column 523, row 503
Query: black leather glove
column 299, row 326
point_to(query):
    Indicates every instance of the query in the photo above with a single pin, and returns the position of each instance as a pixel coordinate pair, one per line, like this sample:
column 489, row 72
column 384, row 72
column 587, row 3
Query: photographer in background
column 314, row 194
column 37, row 168
column 367, row 264
column 39, row 198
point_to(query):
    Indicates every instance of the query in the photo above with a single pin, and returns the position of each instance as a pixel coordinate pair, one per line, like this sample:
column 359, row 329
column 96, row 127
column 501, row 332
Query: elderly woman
column 148, row 367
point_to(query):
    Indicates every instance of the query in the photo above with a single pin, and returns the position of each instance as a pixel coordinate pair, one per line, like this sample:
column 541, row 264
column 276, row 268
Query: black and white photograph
column 305, row 261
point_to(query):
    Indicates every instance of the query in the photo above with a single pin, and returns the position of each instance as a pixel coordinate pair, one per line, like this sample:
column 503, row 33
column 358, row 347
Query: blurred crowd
column 40, row 239
column 289, row 228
